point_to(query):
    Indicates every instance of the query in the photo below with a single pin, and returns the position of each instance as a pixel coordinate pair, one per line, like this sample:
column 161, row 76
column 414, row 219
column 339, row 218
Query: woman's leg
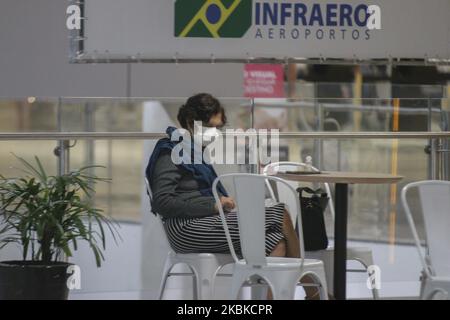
column 279, row 250
column 293, row 251
column 290, row 247
column 292, row 243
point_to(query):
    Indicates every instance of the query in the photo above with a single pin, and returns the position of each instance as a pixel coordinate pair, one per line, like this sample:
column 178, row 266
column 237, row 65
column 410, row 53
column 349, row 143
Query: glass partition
column 29, row 114
column 25, row 116
column 123, row 159
column 375, row 90
column 371, row 214
column 375, row 213
column 372, row 217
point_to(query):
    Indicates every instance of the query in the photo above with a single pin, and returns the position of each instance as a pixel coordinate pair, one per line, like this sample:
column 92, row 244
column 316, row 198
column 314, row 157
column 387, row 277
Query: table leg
column 340, row 241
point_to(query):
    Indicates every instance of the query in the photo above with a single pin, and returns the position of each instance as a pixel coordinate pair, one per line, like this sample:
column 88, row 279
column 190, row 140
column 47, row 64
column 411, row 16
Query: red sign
column 264, row 81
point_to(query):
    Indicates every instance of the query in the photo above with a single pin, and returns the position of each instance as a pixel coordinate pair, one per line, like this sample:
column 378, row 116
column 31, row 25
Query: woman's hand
column 227, row 203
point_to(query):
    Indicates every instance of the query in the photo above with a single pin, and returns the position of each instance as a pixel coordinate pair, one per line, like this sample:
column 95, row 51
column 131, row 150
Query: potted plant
column 47, row 216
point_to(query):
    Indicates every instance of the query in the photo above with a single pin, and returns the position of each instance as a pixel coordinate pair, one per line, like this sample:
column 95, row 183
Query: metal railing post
column 437, row 157
column 318, row 143
column 446, row 160
column 254, row 168
column 433, row 155
column 442, row 155
column 63, row 154
column 62, row 150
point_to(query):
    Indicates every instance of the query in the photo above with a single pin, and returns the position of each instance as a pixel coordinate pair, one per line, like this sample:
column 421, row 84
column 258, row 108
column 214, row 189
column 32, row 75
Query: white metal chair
column 435, row 204
column 204, row 266
column 360, row 254
column 281, row 274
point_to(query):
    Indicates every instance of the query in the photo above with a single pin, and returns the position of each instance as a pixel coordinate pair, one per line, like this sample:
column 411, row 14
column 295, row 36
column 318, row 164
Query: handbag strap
column 308, row 190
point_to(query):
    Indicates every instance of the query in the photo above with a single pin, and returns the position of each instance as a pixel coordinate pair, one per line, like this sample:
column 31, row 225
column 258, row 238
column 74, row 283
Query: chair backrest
column 435, row 204
column 149, row 190
column 274, row 168
column 250, row 196
column 158, row 222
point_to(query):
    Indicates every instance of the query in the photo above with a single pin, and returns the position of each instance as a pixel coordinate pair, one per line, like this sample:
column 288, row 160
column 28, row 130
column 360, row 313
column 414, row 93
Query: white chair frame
column 281, row 274
column 431, row 282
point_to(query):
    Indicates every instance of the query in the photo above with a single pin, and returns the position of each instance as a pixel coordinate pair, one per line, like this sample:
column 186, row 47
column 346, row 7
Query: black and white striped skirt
column 206, row 234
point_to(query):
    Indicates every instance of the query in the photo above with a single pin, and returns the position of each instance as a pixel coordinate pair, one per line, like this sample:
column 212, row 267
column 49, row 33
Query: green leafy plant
column 48, row 215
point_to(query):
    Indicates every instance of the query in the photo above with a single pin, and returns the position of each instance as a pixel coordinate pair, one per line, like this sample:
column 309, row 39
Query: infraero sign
column 247, row 30
column 274, row 20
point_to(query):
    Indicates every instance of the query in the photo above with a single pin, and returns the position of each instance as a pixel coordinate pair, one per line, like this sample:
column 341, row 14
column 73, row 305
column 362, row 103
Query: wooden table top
column 342, row 177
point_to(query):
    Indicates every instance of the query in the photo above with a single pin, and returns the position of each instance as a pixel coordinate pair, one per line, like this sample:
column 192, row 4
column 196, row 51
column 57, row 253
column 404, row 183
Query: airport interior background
column 41, row 92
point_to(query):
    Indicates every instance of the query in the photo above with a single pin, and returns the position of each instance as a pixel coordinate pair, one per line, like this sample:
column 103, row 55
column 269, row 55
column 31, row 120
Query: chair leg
column 283, row 288
column 328, row 268
column 205, row 271
column 167, row 267
column 195, row 285
column 204, row 286
column 375, row 293
column 237, row 281
column 428, row 291
column 432, row 288
column 258, row 292
column 423, row 281
column 367, row 260
column 321, row 277
column 162, row 287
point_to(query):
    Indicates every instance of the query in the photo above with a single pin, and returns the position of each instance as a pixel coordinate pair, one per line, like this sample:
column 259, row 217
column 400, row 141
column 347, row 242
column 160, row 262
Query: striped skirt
column 206, row 234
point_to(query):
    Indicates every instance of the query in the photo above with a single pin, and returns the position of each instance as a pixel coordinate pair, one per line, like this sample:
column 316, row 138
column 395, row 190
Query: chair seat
column 361, row 254
column 284, row 263
column 352, row 249
column 442, row 279
column 226, row 256
column 352, row 252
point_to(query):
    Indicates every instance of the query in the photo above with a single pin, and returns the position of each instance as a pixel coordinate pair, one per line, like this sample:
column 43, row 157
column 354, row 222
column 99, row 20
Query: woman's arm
column 167, row 201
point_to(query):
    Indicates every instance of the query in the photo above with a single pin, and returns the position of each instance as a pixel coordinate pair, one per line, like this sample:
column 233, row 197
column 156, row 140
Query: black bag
column 313, row 209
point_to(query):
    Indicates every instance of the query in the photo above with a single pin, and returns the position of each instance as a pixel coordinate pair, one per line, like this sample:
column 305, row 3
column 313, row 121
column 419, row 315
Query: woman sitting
column 182, row 195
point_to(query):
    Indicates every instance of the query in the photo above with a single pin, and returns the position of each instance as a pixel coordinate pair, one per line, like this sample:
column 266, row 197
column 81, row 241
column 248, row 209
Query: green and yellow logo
column 212, row 18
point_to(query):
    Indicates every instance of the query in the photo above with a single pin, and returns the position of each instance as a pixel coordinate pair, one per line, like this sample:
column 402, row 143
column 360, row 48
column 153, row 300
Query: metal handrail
column 5, row 136
column 82, row 58
column 285, row 103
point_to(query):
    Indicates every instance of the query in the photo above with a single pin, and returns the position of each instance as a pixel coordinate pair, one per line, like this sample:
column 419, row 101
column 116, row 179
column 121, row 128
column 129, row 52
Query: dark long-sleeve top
column 176, row 192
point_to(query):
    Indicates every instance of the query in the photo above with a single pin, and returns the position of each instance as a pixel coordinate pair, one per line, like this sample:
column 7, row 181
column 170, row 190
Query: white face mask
column 209, row 135
column 206, row 134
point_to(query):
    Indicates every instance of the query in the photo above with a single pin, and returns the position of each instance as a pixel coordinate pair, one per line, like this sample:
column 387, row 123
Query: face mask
column 207, row 135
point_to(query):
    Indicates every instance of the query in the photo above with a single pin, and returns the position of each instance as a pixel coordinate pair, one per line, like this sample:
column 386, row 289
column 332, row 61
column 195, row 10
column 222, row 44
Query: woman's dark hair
column 200, row 107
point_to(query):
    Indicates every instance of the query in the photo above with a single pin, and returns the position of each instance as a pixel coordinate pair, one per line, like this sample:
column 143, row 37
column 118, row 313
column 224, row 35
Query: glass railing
column 119, row 134
column 372, row 216
column 374, row 90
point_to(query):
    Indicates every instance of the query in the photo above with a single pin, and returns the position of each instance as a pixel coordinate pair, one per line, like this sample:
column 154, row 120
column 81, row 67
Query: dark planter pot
column 30, row 280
